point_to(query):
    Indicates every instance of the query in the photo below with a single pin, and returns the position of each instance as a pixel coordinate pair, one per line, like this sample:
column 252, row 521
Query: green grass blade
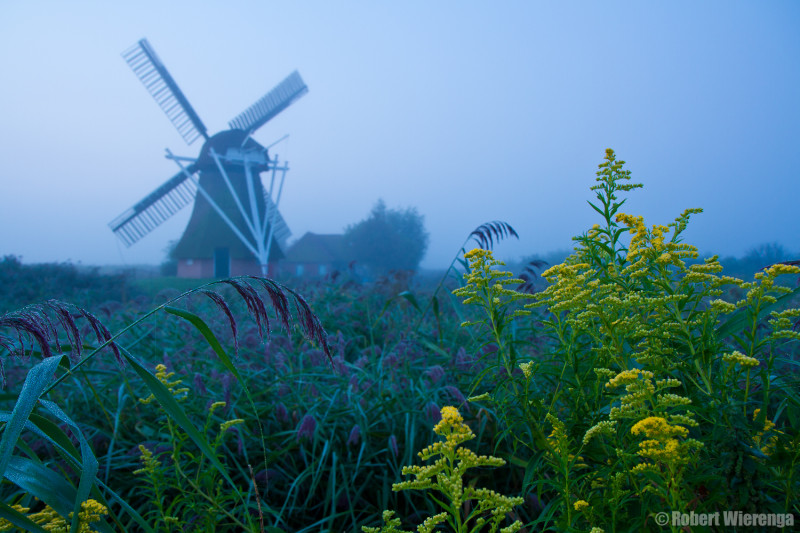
column 127, row 508
column 410, row 298
column 209, row 336
column 89, row 465
column 121, row 397
column 35, row 382
column 51, row 432
column 41, row 482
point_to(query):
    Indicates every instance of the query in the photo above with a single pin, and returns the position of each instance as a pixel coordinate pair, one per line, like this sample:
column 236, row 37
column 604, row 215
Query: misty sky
column 468, row 111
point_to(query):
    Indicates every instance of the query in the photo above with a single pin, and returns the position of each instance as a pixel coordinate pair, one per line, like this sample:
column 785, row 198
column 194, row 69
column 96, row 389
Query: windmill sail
column 275, row 101
column 154, row 209
column 151, row 72
column 280, row 231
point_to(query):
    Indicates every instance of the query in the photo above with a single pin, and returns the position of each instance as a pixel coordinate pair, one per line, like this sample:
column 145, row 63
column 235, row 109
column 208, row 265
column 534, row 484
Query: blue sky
column 468, row 111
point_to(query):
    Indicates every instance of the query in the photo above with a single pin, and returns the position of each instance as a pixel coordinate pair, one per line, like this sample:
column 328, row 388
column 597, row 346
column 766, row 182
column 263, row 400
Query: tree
column 388, row 239
column 169, row 267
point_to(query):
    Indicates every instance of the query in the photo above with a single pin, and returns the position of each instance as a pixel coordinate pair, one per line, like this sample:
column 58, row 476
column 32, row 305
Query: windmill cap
column 231, row 141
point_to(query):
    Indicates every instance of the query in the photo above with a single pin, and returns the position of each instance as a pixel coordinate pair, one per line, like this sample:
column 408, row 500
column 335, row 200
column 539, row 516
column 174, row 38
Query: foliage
column 636, row 379
column 757, row 259
column 23, row 284
column 388, row 239
column 446, row 474
column 654, row 389
column 169, row 266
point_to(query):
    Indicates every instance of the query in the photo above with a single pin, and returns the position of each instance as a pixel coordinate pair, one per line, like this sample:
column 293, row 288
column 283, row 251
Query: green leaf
column 89, row 465
column 410, row 298
column 602, row 213
column 127, row 508
column 435, row 348
column 50, row 432
column 203, row 328
column 41, row 482
column 35, row 382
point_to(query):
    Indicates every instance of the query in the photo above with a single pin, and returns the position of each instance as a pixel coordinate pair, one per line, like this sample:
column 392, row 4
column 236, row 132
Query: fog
column 468, row 111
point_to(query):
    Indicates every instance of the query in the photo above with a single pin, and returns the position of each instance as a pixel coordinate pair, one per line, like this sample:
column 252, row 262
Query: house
column 315, row 256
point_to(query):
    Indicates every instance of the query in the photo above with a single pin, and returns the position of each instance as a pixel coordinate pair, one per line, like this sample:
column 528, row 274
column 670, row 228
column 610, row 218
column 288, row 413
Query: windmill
column 235, row 227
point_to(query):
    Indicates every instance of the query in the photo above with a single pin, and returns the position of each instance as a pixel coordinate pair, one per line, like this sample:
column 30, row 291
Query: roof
column 317, row 248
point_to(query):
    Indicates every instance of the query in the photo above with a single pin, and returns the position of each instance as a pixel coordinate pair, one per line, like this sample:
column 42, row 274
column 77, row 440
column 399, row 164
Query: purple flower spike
column 355, row 436
column 456, row 394
column 306, row 428
column 435, row 373
column 393, row 445
column 433, row 412
column 281, row 413
column 199, row 386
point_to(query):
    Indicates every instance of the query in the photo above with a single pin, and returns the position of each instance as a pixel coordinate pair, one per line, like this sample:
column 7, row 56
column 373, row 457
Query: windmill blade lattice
column 151, row 72
column 275, row 101
column 281, row 231
column 154, row 209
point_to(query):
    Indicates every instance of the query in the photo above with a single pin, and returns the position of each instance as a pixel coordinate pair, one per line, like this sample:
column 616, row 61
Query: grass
column 636, row 380
column 151, row 287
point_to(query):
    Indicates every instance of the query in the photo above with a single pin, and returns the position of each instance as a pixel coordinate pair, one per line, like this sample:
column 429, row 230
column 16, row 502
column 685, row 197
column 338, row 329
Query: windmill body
column 235, row 227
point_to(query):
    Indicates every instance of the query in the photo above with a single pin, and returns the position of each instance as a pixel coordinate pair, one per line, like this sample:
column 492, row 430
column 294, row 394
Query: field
column 631, row 380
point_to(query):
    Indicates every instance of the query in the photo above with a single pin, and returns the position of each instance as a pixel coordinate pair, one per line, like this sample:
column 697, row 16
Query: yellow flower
column 780, row 268
column 226, row 425
column 164, row 376
column 580, row 505
column 150, row 464
column 216, row 405
column 628, row 376
column 770, row 443
column 740, row 358
column 5, row 525
column 91, row 511
column 655, row 427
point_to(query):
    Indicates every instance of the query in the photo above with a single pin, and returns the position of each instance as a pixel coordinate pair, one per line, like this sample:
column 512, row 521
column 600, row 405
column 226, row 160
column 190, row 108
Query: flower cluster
column 766, row 445
column 737, row 357
column 526, row 369
column 605, row 427
column 164, row 377
column 91, row 511
column 445, row 475
column 650, row 245
column 486, row 285
column 581, row 505
column 150, row 463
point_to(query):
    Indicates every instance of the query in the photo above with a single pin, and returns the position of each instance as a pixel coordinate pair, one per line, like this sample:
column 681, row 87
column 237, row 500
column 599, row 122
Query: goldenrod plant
column 647, row 389
column 181, row 485
column 487, row 509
